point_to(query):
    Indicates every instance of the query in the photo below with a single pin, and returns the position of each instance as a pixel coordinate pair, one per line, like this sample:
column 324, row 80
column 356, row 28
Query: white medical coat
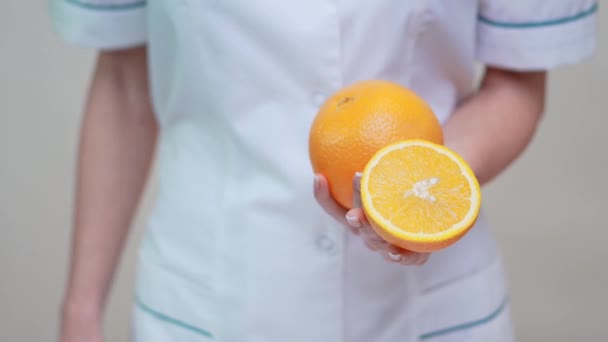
column 236, row 248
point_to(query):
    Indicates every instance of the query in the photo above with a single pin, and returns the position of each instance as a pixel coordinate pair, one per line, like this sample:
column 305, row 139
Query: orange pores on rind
column 420, row 196
column 360, row 119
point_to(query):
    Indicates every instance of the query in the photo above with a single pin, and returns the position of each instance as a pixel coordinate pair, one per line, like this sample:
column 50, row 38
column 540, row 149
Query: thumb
column 357, row 190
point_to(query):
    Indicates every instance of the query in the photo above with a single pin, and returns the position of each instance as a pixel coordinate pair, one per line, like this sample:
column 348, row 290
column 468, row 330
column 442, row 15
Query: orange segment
column 419, row 195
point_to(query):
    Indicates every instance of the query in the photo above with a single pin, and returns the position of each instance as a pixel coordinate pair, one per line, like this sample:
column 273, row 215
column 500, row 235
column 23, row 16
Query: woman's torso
column 236, row 241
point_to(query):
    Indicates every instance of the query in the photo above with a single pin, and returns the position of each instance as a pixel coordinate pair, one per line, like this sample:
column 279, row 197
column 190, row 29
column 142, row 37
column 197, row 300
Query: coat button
column 326, row 244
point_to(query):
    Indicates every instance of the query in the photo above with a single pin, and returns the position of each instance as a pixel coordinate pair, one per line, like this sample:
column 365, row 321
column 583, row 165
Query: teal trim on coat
column 106, row 7
column 535, row 24
column 468, row 325
column 171, row 320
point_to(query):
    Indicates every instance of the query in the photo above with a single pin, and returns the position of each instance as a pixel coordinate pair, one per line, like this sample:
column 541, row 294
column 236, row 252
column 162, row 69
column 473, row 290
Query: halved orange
column 419, row 195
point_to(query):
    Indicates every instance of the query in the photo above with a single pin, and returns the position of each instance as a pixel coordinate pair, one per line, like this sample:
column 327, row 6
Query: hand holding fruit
column 415, row 195
column 357, row 222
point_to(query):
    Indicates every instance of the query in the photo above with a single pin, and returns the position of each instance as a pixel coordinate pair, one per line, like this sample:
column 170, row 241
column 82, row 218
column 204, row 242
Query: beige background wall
column 549, row 209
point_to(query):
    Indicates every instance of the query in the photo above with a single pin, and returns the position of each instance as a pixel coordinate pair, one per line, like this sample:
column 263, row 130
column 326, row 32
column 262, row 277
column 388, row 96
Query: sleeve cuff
column 537, row 45
column 105, row 27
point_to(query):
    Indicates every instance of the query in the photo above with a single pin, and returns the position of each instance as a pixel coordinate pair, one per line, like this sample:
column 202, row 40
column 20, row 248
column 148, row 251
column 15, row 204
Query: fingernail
column 394, row 256
column 317, row 183
column 359, row 174
column 353, row 221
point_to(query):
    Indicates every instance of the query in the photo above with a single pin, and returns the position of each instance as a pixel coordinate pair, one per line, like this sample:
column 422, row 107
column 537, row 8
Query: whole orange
column 360, row 119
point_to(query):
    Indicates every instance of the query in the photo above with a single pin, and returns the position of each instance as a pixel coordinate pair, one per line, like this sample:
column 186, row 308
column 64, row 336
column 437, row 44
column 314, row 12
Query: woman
column 237, row 248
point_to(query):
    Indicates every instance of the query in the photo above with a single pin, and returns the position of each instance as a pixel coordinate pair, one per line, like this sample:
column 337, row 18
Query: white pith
column 422, row 189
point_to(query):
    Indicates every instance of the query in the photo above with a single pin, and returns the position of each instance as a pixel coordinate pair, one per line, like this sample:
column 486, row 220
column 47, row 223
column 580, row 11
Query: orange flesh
column 419, row 190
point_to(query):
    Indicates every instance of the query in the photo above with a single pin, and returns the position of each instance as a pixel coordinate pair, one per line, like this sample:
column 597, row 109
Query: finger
column 415, row 259
column 393, row 257
column 422, row 258
column 372, row 240
column 373, row 245
column 329, row 205
column 404, row 257
column 369, row 233
column 357, row 191
column 393, row 254
column 355, row 218
column 324, row 198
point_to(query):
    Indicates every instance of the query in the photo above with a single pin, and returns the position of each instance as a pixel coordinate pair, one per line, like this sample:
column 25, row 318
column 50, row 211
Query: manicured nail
column 353, row 221
column 395, row 257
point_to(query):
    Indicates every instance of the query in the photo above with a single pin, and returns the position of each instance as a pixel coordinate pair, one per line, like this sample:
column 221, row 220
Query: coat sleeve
column 100, row 24
column 535, row 34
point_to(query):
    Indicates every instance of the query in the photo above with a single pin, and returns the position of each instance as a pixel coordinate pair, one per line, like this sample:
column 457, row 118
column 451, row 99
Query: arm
column 493, row 127
column 116, row 149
